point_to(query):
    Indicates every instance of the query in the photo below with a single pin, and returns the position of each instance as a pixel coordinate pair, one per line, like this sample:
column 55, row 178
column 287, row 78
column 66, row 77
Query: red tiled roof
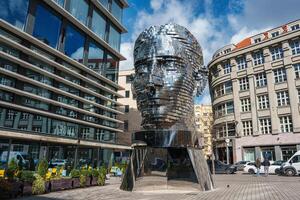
column 243, row 43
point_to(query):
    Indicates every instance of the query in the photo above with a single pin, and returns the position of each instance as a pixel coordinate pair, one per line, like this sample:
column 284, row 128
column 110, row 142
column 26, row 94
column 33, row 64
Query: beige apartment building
column 132, row 117
column 255, row 89
column 204, row 124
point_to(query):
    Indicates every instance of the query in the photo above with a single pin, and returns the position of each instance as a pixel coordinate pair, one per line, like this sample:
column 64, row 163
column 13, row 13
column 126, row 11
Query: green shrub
column 84, row 172
column 95, row 173
column 27, row 176
column 101, row 176
column 38, row 186
column 82, row 180
column 12, row 169
column 42, row 168
column 75, row 173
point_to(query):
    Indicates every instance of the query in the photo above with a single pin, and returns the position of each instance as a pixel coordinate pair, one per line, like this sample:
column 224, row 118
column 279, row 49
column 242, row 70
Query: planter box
column 27, row 189
column 75, row 183
column 60, row 184
column 88, row 181
column 94, row 181
column 10, row 189
column 47, row 186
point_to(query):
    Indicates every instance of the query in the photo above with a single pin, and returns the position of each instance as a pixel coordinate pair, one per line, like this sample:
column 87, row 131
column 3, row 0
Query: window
column 60, row 2
column 263, row 101
column 295, row 45
column 227, row 51
column 241, row 62
column 25, row 116
column 104, row 3
column 125, row 125
column 245, row 105
column 126, row 108
column 47, row 26
column 223, row 88
column 114, row 38
column 279, row 75
column 265, row 126
column 127, row 94
column 283, row 98
column 275, row 34
column 257, row 40
column 244, row 83
column 288, row 151
column 74, row 44
column 299, row 94
column 295, row 27
column 247, row 128
column 128, row 79
column 227, row 68
column 223, row 109
column 261, row 79
column 277, row 53
column 116, row 10
column 14, row 12
column 95, row 58
column 79, row 9
column 286, row 124
column 297, row 70
column 258, row 58
column 10, row 115
column 98, row 24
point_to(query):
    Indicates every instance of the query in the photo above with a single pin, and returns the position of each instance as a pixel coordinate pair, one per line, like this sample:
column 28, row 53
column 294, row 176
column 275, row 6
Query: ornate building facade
column 255, row 89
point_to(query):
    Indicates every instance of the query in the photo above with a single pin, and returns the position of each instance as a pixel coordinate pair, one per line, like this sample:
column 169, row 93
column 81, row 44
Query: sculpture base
column 156, row 168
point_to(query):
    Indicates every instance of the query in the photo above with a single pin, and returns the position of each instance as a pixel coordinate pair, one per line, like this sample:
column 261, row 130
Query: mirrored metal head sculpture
column 169, row 72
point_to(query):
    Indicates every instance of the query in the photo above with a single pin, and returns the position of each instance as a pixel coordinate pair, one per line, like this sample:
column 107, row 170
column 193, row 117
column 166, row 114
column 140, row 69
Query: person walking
column 258, row 165
column 266, row 165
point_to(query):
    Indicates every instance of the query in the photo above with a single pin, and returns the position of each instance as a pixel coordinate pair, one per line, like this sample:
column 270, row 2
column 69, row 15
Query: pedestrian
column 257, row 165
column 266, row 164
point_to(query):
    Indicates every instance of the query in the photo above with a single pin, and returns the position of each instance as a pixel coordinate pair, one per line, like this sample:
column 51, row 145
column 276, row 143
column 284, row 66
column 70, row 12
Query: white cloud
column 156, row 4
column 127, row 52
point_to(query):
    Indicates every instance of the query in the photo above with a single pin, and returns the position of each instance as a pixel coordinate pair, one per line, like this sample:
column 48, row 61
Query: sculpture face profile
column 169, row 71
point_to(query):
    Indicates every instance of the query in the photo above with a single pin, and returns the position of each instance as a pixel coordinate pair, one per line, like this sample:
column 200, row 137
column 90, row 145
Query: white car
column 273, row 169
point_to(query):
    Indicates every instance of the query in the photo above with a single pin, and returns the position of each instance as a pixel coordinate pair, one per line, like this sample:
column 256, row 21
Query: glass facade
column 116, row 10
column 57, row 97
column 47, row 26
column 14, row 12
column 114, row 38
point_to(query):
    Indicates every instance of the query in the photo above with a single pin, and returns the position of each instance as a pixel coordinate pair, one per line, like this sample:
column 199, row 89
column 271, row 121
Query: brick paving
column 228, row 187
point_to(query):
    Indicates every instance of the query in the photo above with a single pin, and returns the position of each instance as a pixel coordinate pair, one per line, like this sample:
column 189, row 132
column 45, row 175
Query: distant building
column 131, row 117
column 255, row 89
column 204, row 123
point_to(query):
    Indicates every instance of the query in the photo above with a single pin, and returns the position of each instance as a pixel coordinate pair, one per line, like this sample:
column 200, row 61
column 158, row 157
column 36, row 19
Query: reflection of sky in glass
column 47, row 26
column 14, row 12
column 79, row 9
column 98, row 24
column 116, row 10
column 95, row 52
column 114, row 38
column 74, row 43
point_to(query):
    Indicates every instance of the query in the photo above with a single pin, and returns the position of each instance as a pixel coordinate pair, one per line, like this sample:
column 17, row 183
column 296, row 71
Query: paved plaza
column 228, row 187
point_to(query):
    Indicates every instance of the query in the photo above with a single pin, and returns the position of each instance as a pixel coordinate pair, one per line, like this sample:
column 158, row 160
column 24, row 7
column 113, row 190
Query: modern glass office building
column 58, row 79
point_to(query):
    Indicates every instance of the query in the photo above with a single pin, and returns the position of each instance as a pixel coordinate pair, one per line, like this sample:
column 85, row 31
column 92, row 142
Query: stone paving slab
column 228, row 187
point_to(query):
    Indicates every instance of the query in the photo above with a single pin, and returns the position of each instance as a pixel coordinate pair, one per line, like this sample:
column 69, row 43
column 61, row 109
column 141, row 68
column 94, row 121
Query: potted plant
column 38, row 185
column 58, row 183
column 83, row 178
column 101, row 176
column 75, row 174
column 27, row 178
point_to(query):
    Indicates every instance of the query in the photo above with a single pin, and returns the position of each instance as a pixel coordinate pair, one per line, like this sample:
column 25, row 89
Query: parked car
column 251, row 168
column 240, row 165
column 221, row 168
column 292, row 166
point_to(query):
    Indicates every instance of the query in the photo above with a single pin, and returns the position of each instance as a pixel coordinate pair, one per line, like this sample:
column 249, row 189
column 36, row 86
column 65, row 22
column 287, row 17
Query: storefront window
column 74, row 44
column 249, row 154
column 47, row 26
column 14, row 12
column 287, row 152
column 98, row 24
column 268, row 153
column 79, row 9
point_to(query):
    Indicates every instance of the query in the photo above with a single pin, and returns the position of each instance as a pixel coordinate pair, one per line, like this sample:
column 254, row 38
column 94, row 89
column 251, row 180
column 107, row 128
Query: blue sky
column 214, row 23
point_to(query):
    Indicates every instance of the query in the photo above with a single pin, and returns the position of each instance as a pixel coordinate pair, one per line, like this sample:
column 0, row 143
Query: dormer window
column 295, row 27
column 257, row 40
column 227, row 51
column 275, row 34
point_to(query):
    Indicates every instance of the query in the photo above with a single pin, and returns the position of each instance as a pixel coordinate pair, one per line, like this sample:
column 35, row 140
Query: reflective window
column 60, row 2
column 79, row 9
column 47, row 26
column 98, row 24
column 104, row 3
column 95, row 58
column 114, row 38
column 112, row 68
column 14, row 12
column 74, row 44
column 116, row 10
